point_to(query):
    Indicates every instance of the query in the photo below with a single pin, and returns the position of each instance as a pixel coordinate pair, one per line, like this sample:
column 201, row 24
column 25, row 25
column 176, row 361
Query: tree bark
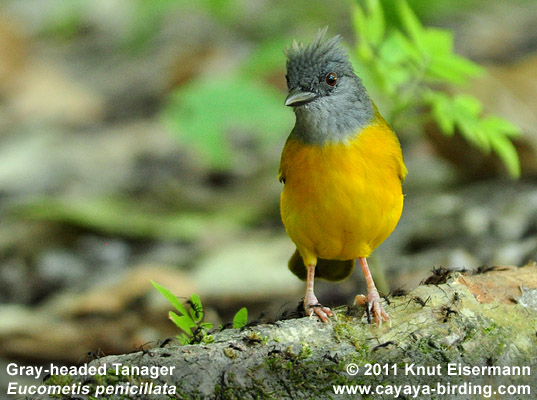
column 482, row 320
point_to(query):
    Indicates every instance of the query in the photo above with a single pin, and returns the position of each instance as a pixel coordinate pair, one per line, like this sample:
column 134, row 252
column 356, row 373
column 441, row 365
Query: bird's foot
column 372, row 302
column 312, row 307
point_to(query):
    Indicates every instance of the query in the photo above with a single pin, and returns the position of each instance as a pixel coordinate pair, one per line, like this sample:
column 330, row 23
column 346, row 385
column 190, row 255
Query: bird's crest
column 320, row 50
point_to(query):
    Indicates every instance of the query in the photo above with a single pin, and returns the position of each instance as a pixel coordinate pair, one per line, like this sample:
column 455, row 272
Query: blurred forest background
column 140, row 139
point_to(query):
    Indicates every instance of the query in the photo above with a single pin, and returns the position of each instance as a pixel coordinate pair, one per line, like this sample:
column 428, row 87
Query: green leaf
column 467, row 118
column 411, row 23
column 183, row 322
column 174, row 301
column 441, row 64
column 397, row 49
column 452, row 69
column 442, row 110
column 508, row 154
column 184, row 339
column 437, row 41
column 494, row 123
column 375, row 22
column 402, row 67
column 359, row 22
column 392, row 77
column 240, row 319
column 206, row 325
column 196, row 309
column 467, row 105
column 498, row 131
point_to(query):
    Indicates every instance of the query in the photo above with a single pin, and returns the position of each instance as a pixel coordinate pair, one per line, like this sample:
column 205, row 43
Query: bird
column 342, row 171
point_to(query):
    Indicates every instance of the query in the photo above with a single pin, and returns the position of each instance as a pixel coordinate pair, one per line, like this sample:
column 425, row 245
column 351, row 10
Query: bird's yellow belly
column 340, row 201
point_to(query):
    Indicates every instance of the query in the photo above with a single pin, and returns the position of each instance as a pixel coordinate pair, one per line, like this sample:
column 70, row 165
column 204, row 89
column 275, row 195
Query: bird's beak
column 297, row 97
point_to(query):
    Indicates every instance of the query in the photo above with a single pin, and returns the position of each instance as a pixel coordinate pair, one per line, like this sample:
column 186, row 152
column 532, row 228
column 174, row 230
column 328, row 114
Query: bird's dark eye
column 331, row 78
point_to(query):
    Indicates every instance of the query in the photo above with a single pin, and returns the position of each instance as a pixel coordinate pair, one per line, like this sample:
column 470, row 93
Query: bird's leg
column 311, row 304
column 373, row 299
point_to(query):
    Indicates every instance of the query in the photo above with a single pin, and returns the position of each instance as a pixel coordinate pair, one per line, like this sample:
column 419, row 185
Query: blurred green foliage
column 209, row 113
column 408, row 70
column 134, row 219
column 142, row 21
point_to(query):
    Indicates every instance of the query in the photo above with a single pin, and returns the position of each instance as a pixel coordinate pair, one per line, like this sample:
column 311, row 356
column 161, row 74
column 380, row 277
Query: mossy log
column 485, row 320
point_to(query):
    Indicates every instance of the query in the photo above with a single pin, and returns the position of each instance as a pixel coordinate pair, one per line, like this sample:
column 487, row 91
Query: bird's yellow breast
column 341, row 200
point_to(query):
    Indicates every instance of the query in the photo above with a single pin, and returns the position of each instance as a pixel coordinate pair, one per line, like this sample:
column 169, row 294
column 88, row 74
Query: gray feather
column 339, row 111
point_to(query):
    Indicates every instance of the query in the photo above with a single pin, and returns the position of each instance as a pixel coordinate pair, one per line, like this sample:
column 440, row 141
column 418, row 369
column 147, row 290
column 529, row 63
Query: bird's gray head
column 329, row 100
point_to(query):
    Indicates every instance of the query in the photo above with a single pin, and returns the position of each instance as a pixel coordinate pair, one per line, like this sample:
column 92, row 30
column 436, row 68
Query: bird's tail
column 331, row 270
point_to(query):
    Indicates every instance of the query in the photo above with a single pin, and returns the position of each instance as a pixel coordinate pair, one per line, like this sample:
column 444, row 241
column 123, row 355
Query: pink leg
column 373, row 298
column 311, row 304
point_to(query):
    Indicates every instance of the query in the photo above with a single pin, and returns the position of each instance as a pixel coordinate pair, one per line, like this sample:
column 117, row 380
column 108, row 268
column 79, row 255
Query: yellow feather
column 341, row 200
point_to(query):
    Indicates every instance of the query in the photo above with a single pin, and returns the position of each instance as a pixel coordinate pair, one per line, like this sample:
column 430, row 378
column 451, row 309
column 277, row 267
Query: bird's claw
column 374, row 307
column 312, row 307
